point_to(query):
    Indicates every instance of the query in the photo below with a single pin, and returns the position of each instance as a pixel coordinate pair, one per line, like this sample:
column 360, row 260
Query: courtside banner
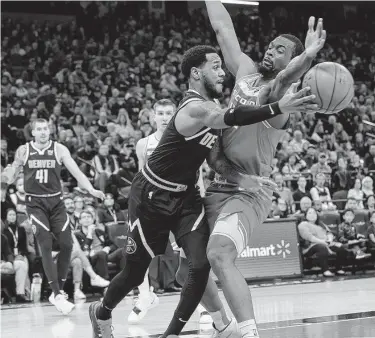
column 273, row 251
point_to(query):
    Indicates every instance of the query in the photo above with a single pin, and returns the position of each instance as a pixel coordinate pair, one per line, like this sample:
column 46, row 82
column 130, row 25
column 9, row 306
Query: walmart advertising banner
column 273, row 251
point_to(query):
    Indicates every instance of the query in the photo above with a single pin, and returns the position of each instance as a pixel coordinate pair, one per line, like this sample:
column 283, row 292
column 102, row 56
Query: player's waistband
column 44, row 195
column 160, row 182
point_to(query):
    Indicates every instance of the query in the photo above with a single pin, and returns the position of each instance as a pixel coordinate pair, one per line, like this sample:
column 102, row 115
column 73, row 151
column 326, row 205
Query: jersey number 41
column 42, row 175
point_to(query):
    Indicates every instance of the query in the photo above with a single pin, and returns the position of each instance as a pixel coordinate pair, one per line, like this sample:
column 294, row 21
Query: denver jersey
column 177, row 158
column 42, row 170
column 251, row 148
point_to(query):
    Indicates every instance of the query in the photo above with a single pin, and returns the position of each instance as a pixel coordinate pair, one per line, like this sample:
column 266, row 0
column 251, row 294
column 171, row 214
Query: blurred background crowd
column 96, row 76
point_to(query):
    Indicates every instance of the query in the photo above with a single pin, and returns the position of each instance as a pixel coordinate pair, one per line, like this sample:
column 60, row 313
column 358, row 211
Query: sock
column 248, row 329
column 77, row 286
column 103, row 313
column 144, row 288
column 218, row 320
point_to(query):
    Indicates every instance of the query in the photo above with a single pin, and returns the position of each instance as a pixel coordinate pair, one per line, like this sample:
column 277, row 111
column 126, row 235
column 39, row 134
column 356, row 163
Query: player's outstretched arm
column 71, row 165
column 222, row 24
column 211, row 115
column 11, row 172
column 223, row 166
column 140, row 151
column 314, row 42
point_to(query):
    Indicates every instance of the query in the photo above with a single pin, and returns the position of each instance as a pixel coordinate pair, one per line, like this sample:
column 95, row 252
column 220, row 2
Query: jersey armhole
column 27, row 153
column 56, row 154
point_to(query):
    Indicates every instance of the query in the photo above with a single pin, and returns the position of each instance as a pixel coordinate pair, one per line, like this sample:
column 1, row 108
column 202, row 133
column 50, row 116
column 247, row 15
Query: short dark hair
column 164, row 102
column 298, row 46
column 38, row 120
column 195, row 57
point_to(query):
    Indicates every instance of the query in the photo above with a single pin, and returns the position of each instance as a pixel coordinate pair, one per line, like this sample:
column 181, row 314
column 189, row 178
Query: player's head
column 202, row 64
column 163, row 111
column 279, row 53
column 40, row 130
column 86, row 218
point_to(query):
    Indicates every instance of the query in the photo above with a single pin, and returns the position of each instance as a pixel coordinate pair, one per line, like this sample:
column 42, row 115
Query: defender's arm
column 71, row 165
column 11, row 172
column 140, row 151
column 222, row 24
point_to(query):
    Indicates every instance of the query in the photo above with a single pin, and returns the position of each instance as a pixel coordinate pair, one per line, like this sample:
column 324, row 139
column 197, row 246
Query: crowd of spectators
column 96, row 87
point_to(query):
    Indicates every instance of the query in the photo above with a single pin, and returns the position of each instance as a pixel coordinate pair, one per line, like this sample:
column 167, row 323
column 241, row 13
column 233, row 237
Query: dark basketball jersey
column 42, row 170
column 177, row 158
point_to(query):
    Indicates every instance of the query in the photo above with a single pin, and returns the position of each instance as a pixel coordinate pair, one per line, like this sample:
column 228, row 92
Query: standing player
column 233, row 214
column 163, row 111
column 164, row 196
column 41, row 161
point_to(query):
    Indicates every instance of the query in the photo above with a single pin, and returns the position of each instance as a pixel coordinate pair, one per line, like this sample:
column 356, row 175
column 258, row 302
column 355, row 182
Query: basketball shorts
column 154, row 212
column 235, row 214
column 47, row 214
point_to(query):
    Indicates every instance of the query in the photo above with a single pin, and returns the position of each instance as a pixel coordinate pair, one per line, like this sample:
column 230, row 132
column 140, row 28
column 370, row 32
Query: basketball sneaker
column 78, row 294
column 141, row 307
column 101, row 328
column 99, row 282
column 63, row 305
column 52, row 297
column 231, row 330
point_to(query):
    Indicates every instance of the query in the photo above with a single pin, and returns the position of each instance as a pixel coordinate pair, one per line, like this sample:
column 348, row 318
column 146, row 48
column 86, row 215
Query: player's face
column 41, row 132
column 277, row 56
column 163, row 115
column 213, row 75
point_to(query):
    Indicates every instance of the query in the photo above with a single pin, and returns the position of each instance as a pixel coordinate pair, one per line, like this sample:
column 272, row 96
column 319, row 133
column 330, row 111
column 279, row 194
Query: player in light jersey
column 232, row 212
column 41, row 161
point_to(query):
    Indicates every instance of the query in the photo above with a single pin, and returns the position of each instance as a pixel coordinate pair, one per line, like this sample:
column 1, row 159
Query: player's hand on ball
column 297, row 102
column 315, row 39
column 98, row 194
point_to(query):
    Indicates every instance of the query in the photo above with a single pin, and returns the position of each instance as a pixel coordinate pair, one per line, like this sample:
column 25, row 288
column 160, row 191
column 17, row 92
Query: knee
column 76, row 263
column 182, row 272
column 221, row 251
column 322, row 250
column 101, row 256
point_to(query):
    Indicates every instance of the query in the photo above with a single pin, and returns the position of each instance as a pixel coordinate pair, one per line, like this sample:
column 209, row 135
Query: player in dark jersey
column 164, row 196
column 41, row 161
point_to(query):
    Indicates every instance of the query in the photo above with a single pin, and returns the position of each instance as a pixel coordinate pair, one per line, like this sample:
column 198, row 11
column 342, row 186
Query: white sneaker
column 231, row 331
column 78, row 294
column 142, row 305
column 328, row 274
column 52, row 297
column 63, row 305
column 99, row 282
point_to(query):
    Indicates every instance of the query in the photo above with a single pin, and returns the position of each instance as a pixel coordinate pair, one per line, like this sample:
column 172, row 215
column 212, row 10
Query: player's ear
column 195, row 73
column 33, row 132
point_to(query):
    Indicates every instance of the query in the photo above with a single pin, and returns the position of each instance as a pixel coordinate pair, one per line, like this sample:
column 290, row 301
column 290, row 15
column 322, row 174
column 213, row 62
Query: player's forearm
column 297, row 68
column 83, row 181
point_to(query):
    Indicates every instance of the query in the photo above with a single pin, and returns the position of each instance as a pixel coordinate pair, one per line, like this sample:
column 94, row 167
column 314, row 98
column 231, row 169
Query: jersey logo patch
column 50, row 152
column 131, row 246
column 34, row 153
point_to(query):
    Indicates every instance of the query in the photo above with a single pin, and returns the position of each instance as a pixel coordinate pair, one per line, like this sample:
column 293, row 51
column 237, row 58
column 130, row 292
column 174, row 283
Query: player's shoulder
column 61, row 150
column 142, row 142
column 247, row 66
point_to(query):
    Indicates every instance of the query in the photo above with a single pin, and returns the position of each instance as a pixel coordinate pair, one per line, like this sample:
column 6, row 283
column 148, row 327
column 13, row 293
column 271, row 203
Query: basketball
column 332, row 84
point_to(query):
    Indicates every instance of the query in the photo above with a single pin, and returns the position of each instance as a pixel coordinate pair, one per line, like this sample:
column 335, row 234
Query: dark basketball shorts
column 154, row 212
column 47, row 214
column 235, row 214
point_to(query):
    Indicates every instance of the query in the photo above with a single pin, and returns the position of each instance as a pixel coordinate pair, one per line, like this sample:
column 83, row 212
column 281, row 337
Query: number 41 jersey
column 42, row 170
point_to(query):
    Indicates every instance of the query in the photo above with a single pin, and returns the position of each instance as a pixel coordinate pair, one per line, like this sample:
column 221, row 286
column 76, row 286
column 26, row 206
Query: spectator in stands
column 18, row 199
column 341, row 181
column 304, row 205
column 370, row 203
column 319, row 241
column 357, row 194
column 95, row 241
column 79, row 205
column 110, row 213
column 300, row 192
column 367, row 187
column 349, row 236
column 371, row 235
column 70, row 210
column 78, row 127
column 321, row 192
column 17, row 241
column 105, row 166
column 351, row 203
column 309, row 158
column 124, row 127
column 284, row 192
column 321, row 166
column 298, row 142
column 292, row 169
column 369, row 157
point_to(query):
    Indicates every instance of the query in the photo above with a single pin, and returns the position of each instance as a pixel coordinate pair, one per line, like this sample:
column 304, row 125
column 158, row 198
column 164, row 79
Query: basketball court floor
column 330, row 309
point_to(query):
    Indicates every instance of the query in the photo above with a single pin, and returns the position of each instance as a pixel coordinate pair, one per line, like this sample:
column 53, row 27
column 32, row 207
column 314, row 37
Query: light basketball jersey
column 151, row 144
column 251, row 148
